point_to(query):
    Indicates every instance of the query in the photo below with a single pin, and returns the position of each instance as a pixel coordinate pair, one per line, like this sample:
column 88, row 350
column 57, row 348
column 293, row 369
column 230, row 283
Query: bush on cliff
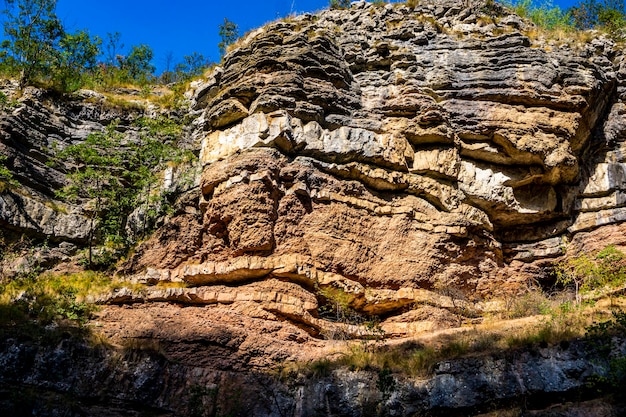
column 607, row 15
column 6, row 176
column 117, row 175
column 603, row 272
column 339, row 4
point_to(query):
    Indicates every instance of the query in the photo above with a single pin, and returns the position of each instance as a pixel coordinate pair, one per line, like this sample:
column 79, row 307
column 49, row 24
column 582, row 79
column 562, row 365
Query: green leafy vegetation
column 39, row 51
column 6, row 176
column 191, row 66
column 543, row 14
column 601, row 336
column 606, row 15
column 339, row 4
column 47, row 298
column 33, row 31
column 117, row 175
column 229, row 32
column 605, row 271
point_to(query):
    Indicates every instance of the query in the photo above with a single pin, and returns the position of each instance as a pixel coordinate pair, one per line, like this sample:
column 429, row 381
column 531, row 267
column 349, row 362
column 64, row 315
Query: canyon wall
column 415, row 159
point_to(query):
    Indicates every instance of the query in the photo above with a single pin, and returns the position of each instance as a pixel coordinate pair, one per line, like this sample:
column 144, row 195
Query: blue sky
column 180, row 27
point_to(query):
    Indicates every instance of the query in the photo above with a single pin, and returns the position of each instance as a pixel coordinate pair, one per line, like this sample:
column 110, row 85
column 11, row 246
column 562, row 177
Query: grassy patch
column 48, row 298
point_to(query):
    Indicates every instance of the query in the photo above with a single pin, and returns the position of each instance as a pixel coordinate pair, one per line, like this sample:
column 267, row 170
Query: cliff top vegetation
column 38, row 49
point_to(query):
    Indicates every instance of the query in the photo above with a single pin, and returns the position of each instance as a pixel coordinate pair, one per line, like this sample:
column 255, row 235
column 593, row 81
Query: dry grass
column 558, row 37
column 417, row 357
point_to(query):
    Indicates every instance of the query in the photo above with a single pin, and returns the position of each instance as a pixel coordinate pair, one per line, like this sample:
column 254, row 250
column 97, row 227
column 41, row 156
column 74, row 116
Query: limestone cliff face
column 389, row 150
column 29, row 128
column 385, row 151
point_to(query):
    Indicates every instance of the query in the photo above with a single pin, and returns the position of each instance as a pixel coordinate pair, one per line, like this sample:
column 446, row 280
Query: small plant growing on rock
column 6, row 176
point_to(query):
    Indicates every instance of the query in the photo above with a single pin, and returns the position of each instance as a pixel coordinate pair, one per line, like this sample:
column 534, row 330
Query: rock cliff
column 417, row 160
column 390, row 151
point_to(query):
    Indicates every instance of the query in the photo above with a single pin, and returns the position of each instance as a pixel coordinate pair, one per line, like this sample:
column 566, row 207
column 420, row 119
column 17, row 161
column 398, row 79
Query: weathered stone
column 39, row 218
column 416, row 161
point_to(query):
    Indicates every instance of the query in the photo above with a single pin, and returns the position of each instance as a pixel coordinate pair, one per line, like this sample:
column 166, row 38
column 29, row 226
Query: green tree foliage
column 609, row 14
column 33, row 31
column 6, row 176
column 587, row 14
column 115, row 175
column 118, row 69
column 137, row 65
column 606, row 270
column 39, row 49
column 339, row 4
column 229, row 32
column 77, row 56
column 96, row 165
column 192, row 66
column 544, row 14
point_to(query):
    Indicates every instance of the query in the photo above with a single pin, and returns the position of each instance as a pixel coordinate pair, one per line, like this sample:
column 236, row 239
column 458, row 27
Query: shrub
column 529, row 304
column 606, row 270
column 545, row 14
column 339, row 4
column 229, row 32
column 6, row 176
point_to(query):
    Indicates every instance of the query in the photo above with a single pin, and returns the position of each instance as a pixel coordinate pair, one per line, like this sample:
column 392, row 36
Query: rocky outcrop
column 403, row 164
column 399, row 151
column 140, row 379
column 30, row 127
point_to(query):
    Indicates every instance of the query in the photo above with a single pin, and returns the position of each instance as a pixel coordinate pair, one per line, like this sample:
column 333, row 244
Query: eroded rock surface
column 416, row 160
column 399, row 151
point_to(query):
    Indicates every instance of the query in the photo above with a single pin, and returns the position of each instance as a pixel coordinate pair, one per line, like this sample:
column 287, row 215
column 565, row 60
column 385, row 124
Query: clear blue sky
column 181, row 26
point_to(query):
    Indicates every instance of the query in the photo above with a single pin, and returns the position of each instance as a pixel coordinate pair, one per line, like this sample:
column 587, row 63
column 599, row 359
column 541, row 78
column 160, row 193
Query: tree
column 606, row 270
column 115, row 175
column 339, row 4
column 137, row 65
column 113, row 46
column 192, row 66
column 32, row 30
column 229, row 32
column 167, row 76
column 94, row 163
column 593, row 13
column 77, row 55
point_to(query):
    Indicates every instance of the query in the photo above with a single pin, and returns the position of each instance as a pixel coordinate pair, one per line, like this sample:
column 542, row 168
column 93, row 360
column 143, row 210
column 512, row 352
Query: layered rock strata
column 392, row 152
column 402, row 164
